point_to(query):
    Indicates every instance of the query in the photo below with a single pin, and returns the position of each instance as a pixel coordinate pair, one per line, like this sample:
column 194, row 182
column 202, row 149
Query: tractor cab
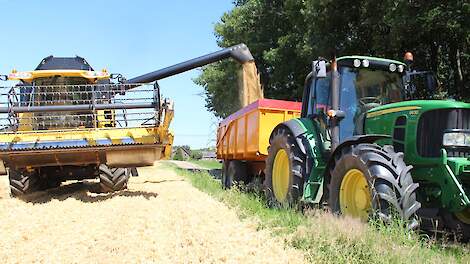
column 364, row 83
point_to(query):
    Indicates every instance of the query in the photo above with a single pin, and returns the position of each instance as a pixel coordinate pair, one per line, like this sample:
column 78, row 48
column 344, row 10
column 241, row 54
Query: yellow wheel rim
column 354, row 195
column 464, row 216
column 280, row 176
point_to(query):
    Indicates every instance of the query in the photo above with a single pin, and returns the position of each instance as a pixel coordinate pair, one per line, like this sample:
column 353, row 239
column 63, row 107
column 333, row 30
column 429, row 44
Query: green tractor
column 365, row 148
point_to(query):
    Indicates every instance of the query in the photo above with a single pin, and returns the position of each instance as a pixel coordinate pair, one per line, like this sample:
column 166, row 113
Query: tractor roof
column 374, row 59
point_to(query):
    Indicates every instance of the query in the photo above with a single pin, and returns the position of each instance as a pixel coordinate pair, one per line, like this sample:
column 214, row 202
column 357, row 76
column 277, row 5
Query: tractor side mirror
column 319, row 68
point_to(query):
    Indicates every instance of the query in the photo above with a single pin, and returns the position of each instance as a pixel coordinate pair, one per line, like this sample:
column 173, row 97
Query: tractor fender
column 354, row 140
column 297, row 130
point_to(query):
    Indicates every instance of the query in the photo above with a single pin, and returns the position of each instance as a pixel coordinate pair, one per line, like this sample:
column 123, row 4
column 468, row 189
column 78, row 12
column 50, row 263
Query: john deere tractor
column 365, row 148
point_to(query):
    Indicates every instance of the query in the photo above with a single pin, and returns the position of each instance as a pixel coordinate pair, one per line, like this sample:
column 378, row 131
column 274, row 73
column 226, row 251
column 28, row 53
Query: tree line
column 285, row 36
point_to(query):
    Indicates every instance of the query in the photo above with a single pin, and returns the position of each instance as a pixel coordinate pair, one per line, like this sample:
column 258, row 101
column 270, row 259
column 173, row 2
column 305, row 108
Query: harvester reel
column 370, row 180
column 113, row 179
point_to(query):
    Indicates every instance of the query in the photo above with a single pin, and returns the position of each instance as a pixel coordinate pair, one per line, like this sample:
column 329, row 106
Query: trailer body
column 244, row 135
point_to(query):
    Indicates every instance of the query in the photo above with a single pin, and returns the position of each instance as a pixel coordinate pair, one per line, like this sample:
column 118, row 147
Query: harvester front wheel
column 285, row 166
column 113, row 179
column 370, row 180
column 23, row 182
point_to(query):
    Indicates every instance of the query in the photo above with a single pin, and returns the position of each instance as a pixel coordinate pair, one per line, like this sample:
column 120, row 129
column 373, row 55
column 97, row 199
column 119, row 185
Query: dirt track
column 161, row 218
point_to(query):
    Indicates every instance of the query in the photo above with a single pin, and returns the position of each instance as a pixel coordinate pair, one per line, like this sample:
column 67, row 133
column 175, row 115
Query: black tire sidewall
column 345, row 164
column 281, row 142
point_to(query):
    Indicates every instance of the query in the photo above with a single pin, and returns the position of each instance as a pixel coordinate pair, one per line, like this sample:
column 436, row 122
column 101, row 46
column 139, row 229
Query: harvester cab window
column 362, row 90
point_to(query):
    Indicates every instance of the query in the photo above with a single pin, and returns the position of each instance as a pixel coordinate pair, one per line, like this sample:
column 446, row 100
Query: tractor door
column 317, row 102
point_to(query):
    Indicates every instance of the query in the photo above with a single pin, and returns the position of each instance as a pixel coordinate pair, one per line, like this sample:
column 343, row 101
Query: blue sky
column 128, row 37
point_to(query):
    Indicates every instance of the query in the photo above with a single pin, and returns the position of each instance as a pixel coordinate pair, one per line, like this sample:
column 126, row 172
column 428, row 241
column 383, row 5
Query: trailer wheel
column 23, row 182
column 233, row 171
column 113, row 179
column 458, row 224
column 370, row 180
column 285, row 169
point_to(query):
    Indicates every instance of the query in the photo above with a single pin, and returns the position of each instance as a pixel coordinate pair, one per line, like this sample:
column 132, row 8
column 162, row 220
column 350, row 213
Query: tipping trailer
column 243, row 137
column 366, row 144
column 66, row 121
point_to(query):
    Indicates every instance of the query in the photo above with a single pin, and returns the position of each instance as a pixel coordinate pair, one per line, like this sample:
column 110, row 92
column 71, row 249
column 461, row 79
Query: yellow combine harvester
column 66, row 121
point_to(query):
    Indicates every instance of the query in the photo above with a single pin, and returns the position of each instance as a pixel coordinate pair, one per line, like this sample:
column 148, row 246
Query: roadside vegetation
column 208, row 164
column 326, row 238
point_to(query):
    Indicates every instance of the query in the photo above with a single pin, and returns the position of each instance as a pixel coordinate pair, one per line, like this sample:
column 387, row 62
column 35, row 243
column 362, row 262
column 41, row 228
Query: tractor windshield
column 363, row 89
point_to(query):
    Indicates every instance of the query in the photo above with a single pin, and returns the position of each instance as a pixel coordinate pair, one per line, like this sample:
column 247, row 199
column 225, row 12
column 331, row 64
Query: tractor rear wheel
column 285, row 169
column 233, row 171
column 23, row 182
column 113, row 179
column 458, row 223
column 370, row 180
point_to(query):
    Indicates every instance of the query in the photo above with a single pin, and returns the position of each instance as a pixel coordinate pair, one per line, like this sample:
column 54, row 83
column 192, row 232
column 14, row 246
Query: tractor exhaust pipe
column 335, row 104
column 240, row 53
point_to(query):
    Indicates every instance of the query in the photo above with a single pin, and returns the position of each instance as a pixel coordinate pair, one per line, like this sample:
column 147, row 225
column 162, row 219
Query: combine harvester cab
column 66, row 121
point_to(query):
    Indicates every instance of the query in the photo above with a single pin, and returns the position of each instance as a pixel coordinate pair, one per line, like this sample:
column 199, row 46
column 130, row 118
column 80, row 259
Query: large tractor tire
column 23, row 182
column 458, row 224
column 368, row 180
column 285, row 169
column 113, row 179
column 233, row 171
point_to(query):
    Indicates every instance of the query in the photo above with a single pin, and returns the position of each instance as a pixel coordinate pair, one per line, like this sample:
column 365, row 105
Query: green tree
column 284, row 36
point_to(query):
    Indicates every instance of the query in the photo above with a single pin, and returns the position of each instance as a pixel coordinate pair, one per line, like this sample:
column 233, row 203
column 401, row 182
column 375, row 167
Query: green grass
column 209, row 164
column 326, row 238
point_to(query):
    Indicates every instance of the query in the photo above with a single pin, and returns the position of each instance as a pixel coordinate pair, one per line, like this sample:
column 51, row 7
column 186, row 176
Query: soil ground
column 160, row 219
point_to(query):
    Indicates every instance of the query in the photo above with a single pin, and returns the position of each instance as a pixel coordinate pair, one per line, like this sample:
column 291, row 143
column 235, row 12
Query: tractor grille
column 431, row 127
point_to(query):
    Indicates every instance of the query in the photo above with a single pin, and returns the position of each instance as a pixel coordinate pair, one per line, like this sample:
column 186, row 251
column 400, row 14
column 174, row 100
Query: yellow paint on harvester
column 392, row 110
column 140, row 135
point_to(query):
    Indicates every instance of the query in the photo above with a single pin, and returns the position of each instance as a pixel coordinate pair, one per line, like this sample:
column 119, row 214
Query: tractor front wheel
column 23, row 182
column 113, row 179
column 370, row 180
column 284, row 171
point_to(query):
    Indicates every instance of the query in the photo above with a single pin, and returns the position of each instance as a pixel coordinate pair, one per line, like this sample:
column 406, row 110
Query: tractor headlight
column 456, row 139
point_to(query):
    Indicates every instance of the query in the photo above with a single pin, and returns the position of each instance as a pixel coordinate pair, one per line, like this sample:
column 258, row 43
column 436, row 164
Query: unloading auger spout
column 239, row 53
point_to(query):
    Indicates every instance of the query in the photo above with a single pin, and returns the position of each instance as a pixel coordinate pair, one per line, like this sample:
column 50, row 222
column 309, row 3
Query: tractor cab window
column 319, row 102
column 320, row 96
column 363, row 89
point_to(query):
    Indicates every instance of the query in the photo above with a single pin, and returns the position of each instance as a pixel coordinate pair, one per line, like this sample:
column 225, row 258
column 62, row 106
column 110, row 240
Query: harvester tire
column 285, row 169
column 113, row 179
column 389, row 190
column 22, row 182
column 234, row 171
